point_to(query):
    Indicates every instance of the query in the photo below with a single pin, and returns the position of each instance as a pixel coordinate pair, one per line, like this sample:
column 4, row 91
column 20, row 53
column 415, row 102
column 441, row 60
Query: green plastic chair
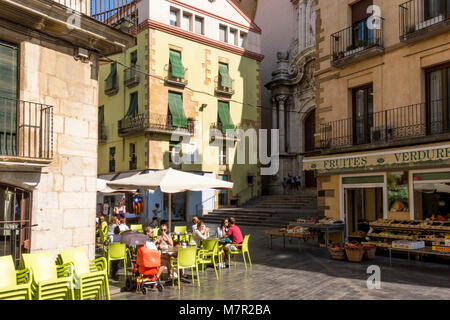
column 207, row 254
column 180, row 237
column 186, row 259
column 117, row 251
column 14, row 285
column 50, row 281
column 137, row 227
column 90, row 277
column 242, row 249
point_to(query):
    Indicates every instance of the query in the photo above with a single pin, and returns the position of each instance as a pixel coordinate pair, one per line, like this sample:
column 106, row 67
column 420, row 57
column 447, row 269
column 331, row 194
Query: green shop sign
column 345, row 163
column 424, row 155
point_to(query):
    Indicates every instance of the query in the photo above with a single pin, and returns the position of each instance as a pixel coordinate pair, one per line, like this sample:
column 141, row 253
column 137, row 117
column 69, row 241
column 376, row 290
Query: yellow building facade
column 188, row 63
column 382, row 128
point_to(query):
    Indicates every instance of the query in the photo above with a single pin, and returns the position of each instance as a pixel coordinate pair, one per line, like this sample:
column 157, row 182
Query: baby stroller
column 145, row 270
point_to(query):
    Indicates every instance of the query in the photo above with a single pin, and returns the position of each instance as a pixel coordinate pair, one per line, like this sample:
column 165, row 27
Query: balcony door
column 8, row 94
column 438, row 105
column 361, row 34
column 362, row 114
column 435, row 8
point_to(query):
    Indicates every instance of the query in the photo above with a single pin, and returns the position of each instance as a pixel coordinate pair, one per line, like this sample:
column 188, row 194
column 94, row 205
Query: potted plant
column 411, row 29
column 341, row 54
column 350, row 47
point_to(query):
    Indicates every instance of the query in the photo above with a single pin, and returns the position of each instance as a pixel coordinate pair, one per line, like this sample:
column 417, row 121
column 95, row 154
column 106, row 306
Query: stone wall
column 63, row 192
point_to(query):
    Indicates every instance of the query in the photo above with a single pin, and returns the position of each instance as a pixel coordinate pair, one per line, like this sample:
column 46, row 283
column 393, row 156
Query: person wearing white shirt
column 195, row 221
column 200, row 233
column 123, row 226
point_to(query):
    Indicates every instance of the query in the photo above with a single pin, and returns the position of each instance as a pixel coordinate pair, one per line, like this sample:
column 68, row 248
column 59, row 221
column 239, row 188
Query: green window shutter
column 101, row 115
column 224, row 116
column 176, row 110
column 177, row 65
column 133, row 106
column 133, row 57
column 112, row 72
column 225, row 76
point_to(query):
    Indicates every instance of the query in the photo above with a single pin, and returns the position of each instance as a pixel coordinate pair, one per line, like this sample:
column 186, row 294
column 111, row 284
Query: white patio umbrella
column 105, row 189
column 170, row 181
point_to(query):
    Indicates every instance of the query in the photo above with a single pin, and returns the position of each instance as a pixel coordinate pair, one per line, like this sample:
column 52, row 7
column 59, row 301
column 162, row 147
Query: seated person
column 150, row 244
column 200, row 233
column 123, row 225
column 222, row 231
column 195, row 221
column 235, row 235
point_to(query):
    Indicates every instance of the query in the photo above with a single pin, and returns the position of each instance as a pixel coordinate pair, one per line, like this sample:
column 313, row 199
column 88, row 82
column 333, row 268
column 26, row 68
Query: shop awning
column 225, row 76
column 176, row 110
column 133, row 106
column 177, row 65
column 225, row 117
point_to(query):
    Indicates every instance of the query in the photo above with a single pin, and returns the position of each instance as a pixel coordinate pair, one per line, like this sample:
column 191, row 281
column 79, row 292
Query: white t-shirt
column 123, row 227
column 198, row 236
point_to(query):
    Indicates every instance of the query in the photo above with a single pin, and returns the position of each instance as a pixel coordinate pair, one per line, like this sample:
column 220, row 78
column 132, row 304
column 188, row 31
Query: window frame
column 189, row 19
column 202, row 20
column 177, row 17
column 225, row 33
column 445, row 68
column 367, row 124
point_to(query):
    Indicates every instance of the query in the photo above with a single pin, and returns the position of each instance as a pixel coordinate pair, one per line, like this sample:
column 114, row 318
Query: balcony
column 158, row 123
column 408, row 125
column 357, row 42
column 111, row 86
column 171, row 80
column 102, row 133
column 221, row 90
column 131, row 77
column 26, row 131
column 216, row 132
column 420, row 19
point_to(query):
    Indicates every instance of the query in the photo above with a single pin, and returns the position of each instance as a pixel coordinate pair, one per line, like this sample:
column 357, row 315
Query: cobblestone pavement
column 287, row 274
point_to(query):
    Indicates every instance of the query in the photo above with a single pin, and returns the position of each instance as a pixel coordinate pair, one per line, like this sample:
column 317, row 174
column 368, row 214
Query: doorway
column 309, row 130
column 364, row 205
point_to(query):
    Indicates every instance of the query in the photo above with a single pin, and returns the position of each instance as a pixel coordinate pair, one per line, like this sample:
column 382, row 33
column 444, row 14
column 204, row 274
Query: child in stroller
column 145, row 269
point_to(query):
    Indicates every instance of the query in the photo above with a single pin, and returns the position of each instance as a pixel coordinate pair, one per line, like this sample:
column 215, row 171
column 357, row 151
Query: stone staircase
column 273, row 211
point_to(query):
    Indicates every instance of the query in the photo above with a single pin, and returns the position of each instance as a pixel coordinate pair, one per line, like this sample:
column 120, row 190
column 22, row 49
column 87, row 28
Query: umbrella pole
column 170, row 212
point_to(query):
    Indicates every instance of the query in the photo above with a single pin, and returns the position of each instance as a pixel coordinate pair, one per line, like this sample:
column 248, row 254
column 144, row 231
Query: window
column 361, row 34
column 186, row 22
column 133, row 58
column 223, row 154
column 438, row 105
column 176, row 69
column 434, row 8
column 225, row 81
column 223, row 33
column 199, row 28
column 133, row 109
column 176, row 110
column 243, row 40
column 174, row 18
column 111, row 81
column 362, row 114
column 133, row 158
column 224, row 116
column 8, row 90
column 223, row 194
column 233, row 37
column 112, row 159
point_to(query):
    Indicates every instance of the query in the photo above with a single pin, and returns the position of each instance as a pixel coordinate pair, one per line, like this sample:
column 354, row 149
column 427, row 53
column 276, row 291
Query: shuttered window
column 224, row 116
column 225, row 79
column 176, row 110
column 176, row 66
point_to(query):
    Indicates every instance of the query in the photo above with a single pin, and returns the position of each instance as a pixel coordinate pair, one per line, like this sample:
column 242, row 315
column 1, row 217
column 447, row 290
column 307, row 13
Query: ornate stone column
column 274, row 114
column 282, row 124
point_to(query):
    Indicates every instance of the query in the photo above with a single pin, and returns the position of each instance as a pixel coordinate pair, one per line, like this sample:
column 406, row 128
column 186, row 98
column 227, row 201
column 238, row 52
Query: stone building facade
column 293, row 97
column 48, row 153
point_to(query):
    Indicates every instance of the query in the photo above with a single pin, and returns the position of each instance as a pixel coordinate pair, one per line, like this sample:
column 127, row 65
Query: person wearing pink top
column 235, row 235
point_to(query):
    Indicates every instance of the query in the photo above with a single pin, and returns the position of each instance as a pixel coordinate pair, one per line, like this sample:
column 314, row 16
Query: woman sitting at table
column 222, row 229
column 200, row 233
column 164, row 243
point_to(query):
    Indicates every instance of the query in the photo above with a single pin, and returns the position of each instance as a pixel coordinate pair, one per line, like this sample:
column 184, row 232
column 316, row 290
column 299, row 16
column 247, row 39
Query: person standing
column 284, row 183
column 298, row 182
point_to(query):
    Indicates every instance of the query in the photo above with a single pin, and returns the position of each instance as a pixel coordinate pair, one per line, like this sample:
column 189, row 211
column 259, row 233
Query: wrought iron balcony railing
column 170, row 79
column 404, row 125
column 131, row 77
column 216, row 131
column 155, row 123
column 423, row 18
column 220, row 89
column 120, row 14
column 26, row 129
column 360, row 41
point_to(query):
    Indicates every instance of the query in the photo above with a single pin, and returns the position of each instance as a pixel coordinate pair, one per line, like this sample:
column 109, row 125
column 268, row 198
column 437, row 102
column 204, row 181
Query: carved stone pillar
column 282, row 124
column 274, row 114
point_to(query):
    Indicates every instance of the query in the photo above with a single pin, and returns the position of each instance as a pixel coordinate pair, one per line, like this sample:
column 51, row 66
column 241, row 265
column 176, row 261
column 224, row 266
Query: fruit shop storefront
column 397, row 185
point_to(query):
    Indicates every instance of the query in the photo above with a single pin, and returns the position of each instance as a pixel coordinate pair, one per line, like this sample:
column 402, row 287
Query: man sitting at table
column 235, row 235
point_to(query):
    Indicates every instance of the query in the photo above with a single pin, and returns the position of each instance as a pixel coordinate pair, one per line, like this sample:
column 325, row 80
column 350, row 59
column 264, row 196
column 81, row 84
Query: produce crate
column 408, row 244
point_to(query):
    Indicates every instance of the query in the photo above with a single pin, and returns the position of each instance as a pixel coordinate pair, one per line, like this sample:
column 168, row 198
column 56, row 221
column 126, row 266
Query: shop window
column 432, row 196
column 438, row 102
column 398, row 192
column 362, row 114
